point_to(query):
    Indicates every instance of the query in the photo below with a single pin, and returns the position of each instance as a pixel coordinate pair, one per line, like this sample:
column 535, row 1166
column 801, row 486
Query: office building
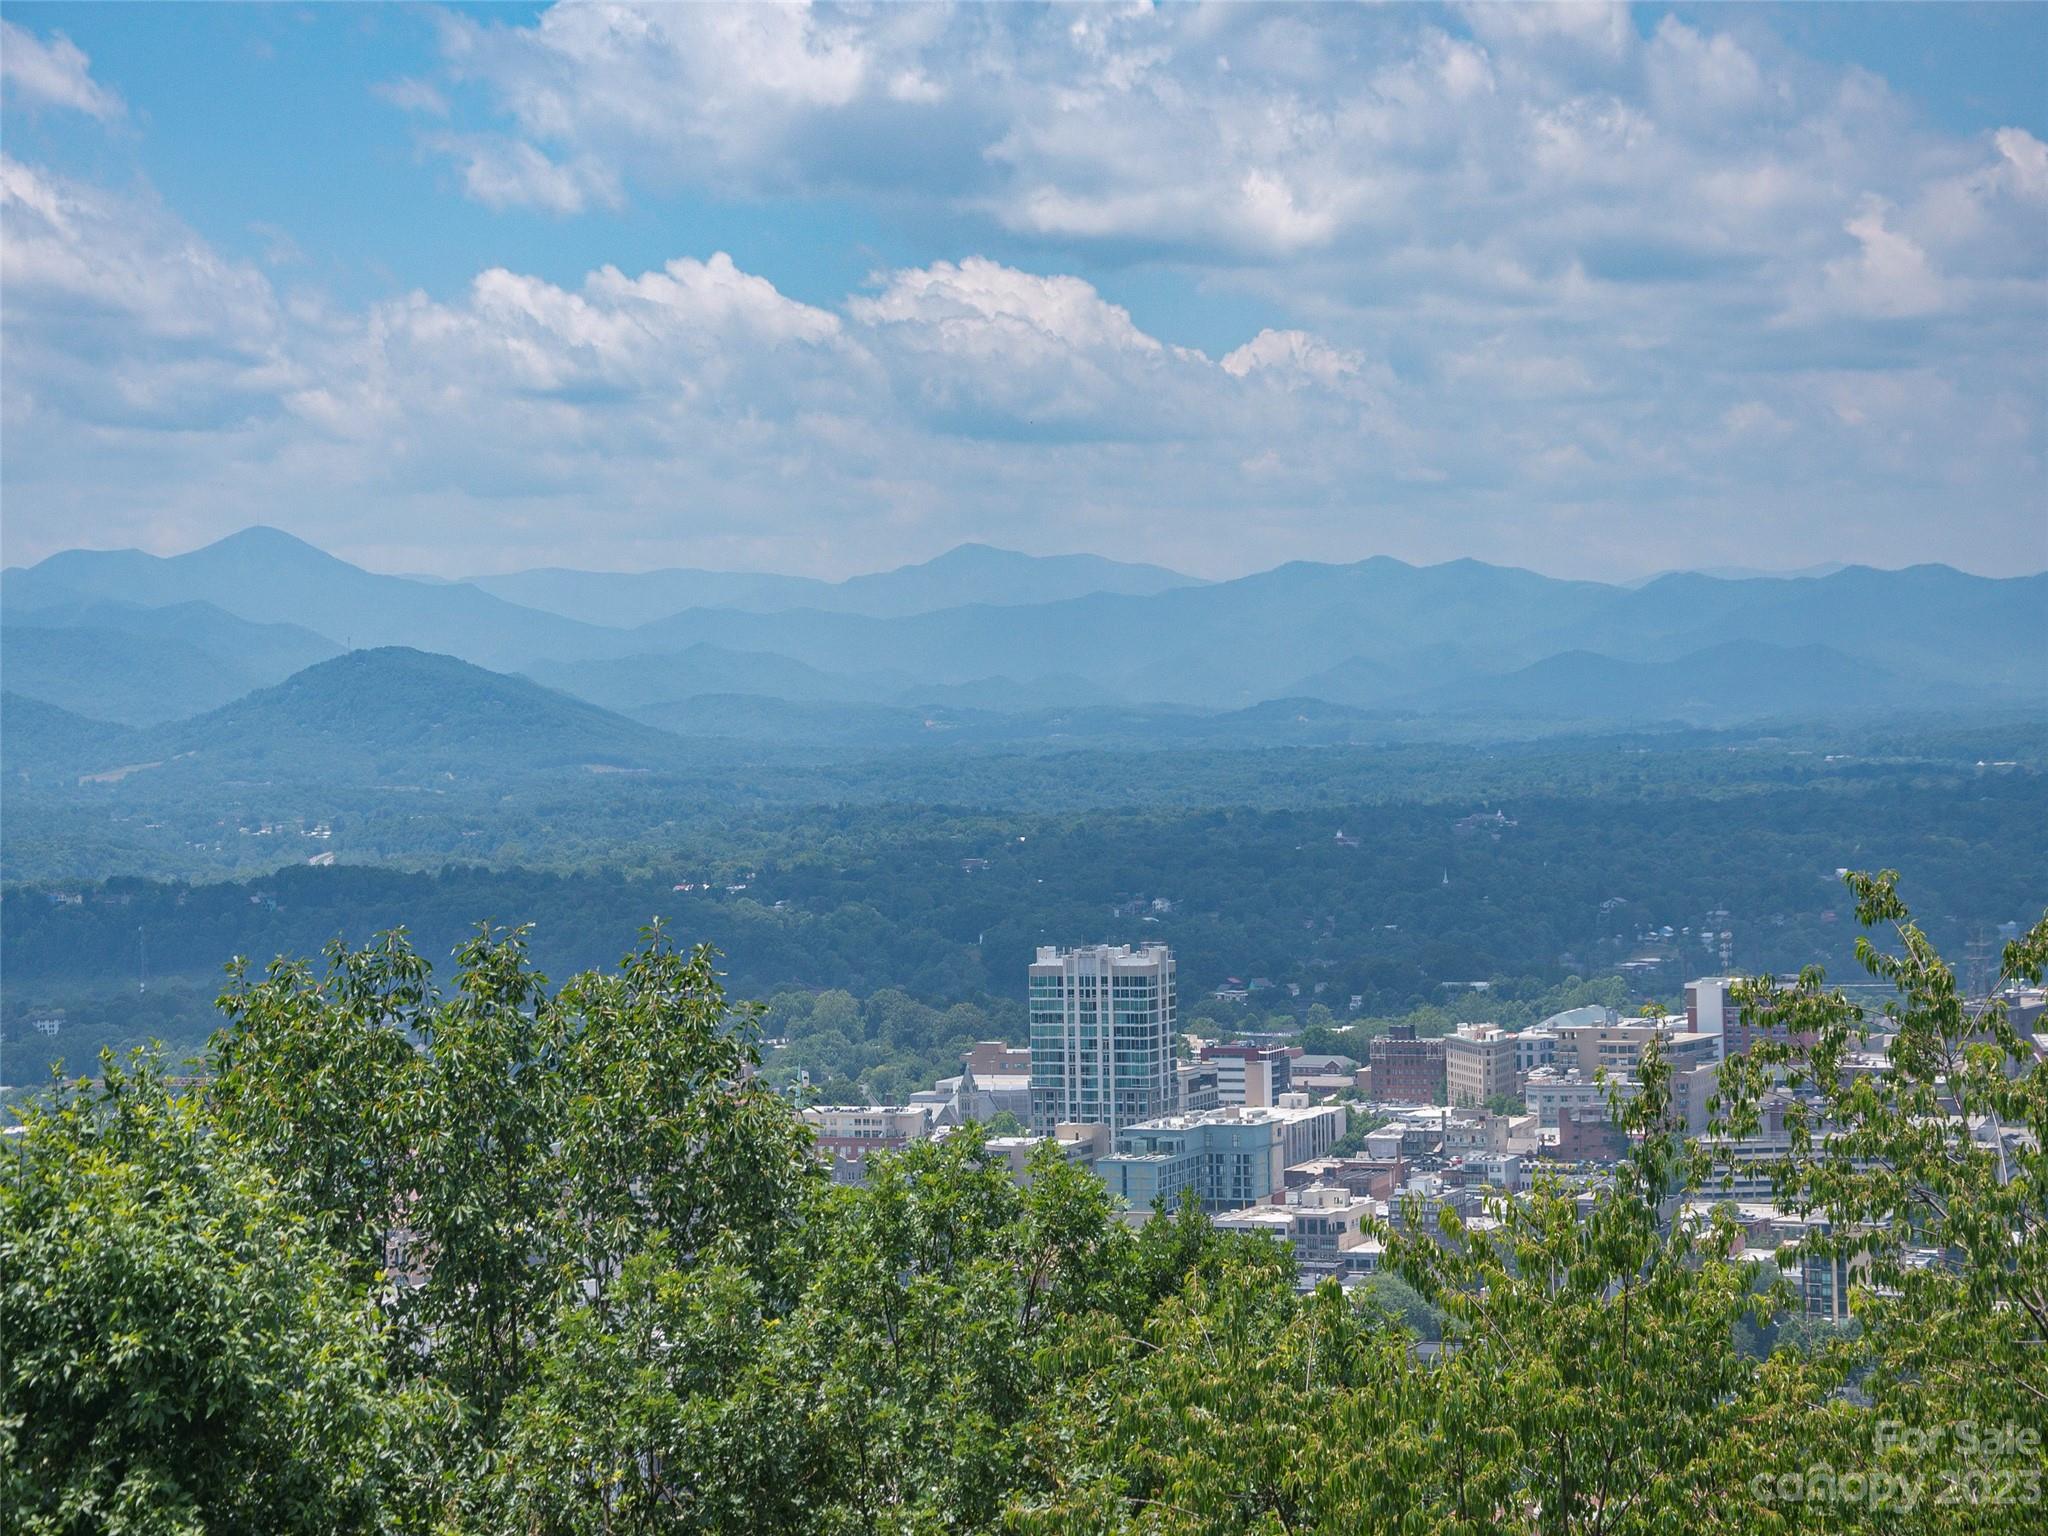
column 1406, row 1070
column 1711, row 1010
column 1548, row 1092
column 848, row 1136
column 1535, row 1047
column 1195, row 1088
column 1329, row 1228
column 1102, row 1021
column 1250, row 1074
column 1617, row 1049
column 1225, row 1159
column 1479, row 1064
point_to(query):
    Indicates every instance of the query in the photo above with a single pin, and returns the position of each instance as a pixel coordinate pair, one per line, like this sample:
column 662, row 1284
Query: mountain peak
column 260, row 540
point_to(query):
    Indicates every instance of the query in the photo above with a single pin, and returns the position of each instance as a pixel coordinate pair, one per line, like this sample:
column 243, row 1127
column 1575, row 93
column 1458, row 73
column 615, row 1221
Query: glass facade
column 1102, row 1021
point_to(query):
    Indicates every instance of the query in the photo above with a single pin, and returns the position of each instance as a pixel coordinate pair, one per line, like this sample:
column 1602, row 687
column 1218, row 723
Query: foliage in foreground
column 519, row 1258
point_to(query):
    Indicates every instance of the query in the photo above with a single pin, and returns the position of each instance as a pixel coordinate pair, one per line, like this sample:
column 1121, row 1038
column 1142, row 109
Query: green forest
column 1431, row 886
column 501, row 1255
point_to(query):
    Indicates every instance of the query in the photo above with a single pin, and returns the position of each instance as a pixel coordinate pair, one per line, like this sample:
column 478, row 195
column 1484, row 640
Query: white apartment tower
column 1101, row 1036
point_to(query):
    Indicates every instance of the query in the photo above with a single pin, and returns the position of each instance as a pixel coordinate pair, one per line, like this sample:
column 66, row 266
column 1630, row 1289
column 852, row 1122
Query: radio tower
column 141, row 958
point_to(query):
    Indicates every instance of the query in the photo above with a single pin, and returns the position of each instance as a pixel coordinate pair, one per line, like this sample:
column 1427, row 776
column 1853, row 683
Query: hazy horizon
column 1815, row 569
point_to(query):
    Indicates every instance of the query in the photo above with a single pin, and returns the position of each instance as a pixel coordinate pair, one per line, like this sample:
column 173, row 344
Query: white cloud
column 1889, row 276
column 948, row 395
column 1600, row 27
column 1295, row 357
column 87, row 272
column 53, row 73
column 1696, row 75
column 984, row 349
column 981, row 306
column 410, row 94
column 509, row 173
column 1492, row 266
column 2025, row 162
column 714, row 86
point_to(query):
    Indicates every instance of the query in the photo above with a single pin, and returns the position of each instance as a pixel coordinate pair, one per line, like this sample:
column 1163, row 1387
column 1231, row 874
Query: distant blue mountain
column 403, row 717
column 138, row 666
column 1016, row 636
column 972, row 573
column 270, row 577
column 1738, row 680
column 630, row 682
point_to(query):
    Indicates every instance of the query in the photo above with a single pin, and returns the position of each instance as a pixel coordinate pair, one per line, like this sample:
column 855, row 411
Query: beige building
column 1080, row 1144
column 1617, row 1049
column 849, row 1135
column 1479, row 1063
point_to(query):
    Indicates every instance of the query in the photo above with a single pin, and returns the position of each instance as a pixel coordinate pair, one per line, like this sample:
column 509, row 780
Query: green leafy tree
column 1928, row 1186
column 178, row 1350
column 482, row 1155
column 1593, row 1385
column 672, row 1404
column 313, row 1074
column 560, row 1260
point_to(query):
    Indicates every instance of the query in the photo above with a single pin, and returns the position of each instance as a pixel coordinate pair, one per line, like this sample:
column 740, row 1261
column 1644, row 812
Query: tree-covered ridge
column 519, row 1257
column 946, row 901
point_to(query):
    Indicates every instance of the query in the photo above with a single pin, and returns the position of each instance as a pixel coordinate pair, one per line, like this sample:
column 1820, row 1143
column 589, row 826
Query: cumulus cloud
column 501, row 172
column 118, row 312
column 1889, row 275
column 1598, row 27
column 984, row 349
column 2025, row 166
column 1296, row 357
column 1493, row 266
column 719, row 87
column 694, row 398
column 52, row 72
column 1491, row 166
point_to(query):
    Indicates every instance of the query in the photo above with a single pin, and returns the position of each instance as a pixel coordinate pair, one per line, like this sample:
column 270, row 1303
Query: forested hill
column 391, row 715
column 947, row 904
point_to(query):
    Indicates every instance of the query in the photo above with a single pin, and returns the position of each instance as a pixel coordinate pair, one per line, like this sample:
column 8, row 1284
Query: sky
column 1594, row 290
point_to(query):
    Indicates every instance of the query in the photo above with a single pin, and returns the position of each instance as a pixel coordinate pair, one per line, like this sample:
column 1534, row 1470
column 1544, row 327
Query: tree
column 1927, row 1182
column 670, row 1404
column 483, row 1155
column 559, row 1260
column 178, row 1350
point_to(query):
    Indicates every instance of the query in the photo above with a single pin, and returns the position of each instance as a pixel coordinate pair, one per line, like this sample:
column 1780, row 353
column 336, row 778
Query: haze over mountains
column 971, row 573
column 979, row 645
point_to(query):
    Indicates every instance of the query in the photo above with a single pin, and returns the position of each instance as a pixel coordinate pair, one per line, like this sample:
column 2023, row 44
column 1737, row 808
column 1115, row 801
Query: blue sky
column 1594, row 290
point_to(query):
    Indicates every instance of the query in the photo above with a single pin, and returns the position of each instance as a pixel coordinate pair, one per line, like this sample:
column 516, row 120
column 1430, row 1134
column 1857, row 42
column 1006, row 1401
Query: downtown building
column 1102, row 1021
column 1406, row 1070
column 1479, row 1064
column 1223, row 1159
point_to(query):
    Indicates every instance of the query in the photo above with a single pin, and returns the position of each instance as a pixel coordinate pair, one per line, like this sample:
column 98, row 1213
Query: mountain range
column 971, row 573
column 135, row 665
column 127, row 638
